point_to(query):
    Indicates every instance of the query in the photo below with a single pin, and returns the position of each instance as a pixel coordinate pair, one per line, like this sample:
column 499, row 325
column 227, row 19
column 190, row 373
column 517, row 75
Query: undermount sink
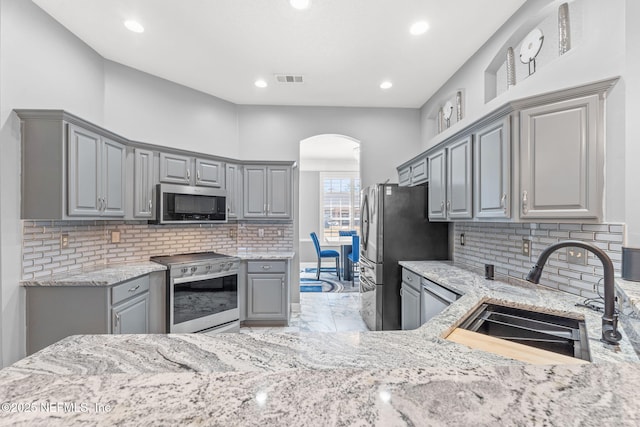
column 549, row 332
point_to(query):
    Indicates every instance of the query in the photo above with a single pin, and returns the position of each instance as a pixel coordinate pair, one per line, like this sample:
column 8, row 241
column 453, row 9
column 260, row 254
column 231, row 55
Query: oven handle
column 179, row 280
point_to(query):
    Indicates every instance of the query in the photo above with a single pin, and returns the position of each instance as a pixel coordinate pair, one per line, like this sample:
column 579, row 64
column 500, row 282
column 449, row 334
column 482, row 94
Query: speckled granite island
column 369, row 378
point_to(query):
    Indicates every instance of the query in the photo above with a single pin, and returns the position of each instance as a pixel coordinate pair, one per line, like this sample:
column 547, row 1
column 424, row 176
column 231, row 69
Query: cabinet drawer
column 129, row 288
column 411, row 278
column 266, row 266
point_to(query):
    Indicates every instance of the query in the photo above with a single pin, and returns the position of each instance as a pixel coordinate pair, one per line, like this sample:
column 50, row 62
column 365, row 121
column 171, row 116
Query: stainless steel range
column 202, row 292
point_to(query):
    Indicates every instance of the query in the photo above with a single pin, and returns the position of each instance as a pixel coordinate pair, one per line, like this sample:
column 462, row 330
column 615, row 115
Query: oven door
column 202, row 302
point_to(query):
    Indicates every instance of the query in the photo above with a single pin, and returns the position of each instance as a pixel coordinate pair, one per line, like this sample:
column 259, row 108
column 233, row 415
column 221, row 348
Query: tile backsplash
column 501, row 244
column 90, row 242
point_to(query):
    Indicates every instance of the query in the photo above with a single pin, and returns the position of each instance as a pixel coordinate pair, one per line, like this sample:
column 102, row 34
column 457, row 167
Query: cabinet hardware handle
column 134, row 288
column 449, row 206
column 525, row 207
column 282, row 283
column 198, row 175
column 401, row 292
column 99, row 203
column 410, row 279
column 266, row 267
column 117, row 320
column 268, row 207
column 188, row 175
column 150, row 205
column 503, row 202
column 442, row 206
column 264, row 208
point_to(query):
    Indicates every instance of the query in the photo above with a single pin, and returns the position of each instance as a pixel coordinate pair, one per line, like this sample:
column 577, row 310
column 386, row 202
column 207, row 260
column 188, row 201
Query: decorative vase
column 564, row 29
column 459, row 113
column 511, row 68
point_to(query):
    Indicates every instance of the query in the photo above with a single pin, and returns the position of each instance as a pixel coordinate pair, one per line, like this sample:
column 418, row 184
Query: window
column 339, row 203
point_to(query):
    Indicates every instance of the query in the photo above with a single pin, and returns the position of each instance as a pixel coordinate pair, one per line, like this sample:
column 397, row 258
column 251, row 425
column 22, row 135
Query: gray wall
column 150, row 109
column 42, row 66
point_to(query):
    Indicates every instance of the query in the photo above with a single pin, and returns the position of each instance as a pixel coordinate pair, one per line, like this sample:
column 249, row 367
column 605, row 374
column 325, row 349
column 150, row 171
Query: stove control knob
column 184, row 270
column 208, row 267
column 194, row 269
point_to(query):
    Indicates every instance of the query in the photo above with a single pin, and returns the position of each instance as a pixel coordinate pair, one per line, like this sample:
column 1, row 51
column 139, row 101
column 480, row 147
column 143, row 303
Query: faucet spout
column 610, row 333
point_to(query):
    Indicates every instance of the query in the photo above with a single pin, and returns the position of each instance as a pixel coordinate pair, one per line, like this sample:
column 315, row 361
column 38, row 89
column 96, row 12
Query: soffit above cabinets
column 344, row 49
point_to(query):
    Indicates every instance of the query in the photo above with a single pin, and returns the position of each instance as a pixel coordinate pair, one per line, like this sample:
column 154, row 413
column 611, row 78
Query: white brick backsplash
column 90, row 242
column 500, row 244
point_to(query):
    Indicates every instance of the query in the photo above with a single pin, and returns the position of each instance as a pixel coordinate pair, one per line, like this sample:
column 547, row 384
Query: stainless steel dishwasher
column 435, row 298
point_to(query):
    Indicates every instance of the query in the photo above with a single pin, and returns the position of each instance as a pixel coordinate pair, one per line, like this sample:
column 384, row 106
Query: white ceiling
column 344, row 48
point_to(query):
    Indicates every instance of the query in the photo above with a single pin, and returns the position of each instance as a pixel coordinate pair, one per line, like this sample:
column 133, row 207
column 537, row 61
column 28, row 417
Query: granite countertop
column 386, row 377
column 264, row 254
column 106, row 275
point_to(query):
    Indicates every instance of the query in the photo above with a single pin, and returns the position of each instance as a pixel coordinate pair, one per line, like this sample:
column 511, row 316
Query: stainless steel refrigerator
column 393, row 227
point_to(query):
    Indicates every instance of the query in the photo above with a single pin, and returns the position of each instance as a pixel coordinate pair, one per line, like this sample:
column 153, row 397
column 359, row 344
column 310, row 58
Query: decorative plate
column 531, row 46
column 447, row 110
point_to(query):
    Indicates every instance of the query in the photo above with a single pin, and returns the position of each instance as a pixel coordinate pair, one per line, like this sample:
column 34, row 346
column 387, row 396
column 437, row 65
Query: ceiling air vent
column 289, row 78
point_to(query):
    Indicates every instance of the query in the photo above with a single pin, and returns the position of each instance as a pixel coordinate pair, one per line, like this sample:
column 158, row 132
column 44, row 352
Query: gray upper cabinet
column 96, row 174
column 415, row 173
column 178, row 169
column 209, row 173
column 175, row 169
column 143, row 184
column 437, row 185
column 460, row 179
column 267, row 191
column 492, row 170
column 233, row 185
column 559, row 162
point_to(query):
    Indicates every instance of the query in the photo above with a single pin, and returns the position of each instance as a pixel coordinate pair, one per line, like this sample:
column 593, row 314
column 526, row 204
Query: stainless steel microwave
column 186, row 204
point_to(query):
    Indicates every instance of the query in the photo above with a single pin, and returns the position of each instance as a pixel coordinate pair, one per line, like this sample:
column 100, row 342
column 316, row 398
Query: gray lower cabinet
column 96, row 174
column 132, row 316
column 131, row 307
column 144, row 184
column 267, row 291
column 233, row 185
column 410, row 300
column 492, row 170
column 560, row 162
column 267, row 191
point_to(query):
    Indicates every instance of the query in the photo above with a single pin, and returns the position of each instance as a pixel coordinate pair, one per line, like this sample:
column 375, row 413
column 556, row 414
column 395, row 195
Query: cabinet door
column 143, row 184
column 492, row 170
column 234, row 190
column 404, row 176
column 84, row 187
column 266, row 297
column 437, row 185
column 279, row 192
column 113, row 178
column 131, row 317
column 175, row 169
column 209, row 173
column 255, row 191
column 410, row 318
column 459, row 180
column 419, row 172
column 558, row 160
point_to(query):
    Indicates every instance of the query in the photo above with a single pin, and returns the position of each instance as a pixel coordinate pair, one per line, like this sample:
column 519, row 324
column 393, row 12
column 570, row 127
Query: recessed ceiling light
column 418, row 28
column 260, row 83
column 386, row 85
column 300, row 4
column 134, row 26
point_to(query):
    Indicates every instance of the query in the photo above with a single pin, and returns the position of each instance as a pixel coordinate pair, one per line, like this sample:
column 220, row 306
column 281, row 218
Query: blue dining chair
column 327, row 253
column 354, row 256
column 345, row 233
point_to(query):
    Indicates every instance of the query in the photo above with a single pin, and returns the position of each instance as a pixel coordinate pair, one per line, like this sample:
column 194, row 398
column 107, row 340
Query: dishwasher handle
column 441, row 297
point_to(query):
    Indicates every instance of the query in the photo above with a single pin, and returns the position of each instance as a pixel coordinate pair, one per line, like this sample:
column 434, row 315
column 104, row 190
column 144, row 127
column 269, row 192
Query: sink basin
column 557, row 334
